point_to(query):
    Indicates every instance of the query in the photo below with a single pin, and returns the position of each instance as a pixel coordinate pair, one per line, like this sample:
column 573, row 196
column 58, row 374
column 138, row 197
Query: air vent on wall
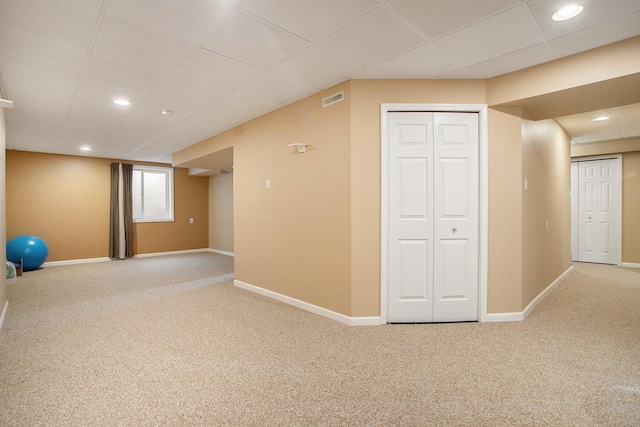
column 337, row 97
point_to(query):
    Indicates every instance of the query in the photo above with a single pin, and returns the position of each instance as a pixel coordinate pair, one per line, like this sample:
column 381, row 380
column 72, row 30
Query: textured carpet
column 170, row 341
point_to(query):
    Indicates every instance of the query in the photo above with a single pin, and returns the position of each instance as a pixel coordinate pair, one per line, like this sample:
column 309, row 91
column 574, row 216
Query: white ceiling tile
column 506, row 32
column 36, row 78
column 92, row 5
column 26, row 142
column 434, row 18
column 37, row 110
column 364, row 74
column 628, row 120
column 458, row 74
column 188, row 22
column 35, row 52
column 125, row 137
column 94, row 118
column 597, row 35
column 276, row 89
column 309, row 19
column 239, row 105
column 26, row 138
column 126, row 43
column 423, row 62
column 52, row 20
column 177, row 90
column 152, row 122
column 212, row 69
column 594, row 12
column 512, row 61
column 254, row 42
column 372, row 38
column 316, row 67
column 105, row 79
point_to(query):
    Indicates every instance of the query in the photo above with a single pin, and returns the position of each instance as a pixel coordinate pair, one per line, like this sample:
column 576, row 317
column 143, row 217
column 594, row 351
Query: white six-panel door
column 433, row 217
column 598, row 212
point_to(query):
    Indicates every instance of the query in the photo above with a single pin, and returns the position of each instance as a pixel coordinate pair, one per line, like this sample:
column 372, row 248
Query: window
column 152, row 194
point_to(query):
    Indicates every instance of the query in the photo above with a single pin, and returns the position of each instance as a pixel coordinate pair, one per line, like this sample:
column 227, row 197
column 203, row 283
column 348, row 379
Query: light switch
column 268, row 183
column 526, row 184
column 190, row 220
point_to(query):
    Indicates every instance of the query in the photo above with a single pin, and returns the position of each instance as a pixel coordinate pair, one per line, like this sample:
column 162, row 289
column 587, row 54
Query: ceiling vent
column 337, row 97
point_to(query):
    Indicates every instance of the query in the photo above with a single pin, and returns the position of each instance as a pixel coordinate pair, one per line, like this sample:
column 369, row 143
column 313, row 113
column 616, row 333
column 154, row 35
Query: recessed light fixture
column 166, row 112
column 567, row 12
column 121, row 101
column 601, row 118
column 85, row 148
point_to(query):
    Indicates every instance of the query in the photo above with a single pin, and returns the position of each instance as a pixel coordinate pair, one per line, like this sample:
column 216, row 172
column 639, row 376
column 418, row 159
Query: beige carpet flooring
column 169, row 341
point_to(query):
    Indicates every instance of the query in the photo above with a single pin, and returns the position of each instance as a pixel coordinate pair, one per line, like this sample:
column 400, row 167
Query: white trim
column 75, row 261
column 218, row 251
column 352, row 321
column 186, row 251
column 520, row 316
column 630, row 264
column 90, row 260
column 483, row 208
column 544, row 293
column 4, row 313
column 504, row 317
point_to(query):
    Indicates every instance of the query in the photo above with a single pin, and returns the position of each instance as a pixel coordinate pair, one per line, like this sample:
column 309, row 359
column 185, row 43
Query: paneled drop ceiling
column 217, row 63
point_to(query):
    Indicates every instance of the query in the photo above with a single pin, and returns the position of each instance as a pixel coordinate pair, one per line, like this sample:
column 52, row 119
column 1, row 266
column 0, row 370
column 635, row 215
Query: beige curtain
column 121, row 214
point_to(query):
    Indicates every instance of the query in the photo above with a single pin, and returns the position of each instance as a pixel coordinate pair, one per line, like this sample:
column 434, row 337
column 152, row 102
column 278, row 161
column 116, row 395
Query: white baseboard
column 544, row 293
column 75, row 261
column 352, row 321
column 89, row 260
column 186, row 251
column 4, row 313
column 520, row 316
column 504, row 317
column 630, row 264
column 218, row 251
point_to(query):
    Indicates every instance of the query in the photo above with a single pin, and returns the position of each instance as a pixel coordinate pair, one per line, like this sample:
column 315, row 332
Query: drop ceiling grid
column 218, row 64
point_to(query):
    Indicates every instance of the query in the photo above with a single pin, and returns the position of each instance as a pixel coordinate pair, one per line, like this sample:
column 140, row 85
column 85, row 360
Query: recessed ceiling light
column 85, row 148
column 121, row 101
column 567, row 12
column 601, row 118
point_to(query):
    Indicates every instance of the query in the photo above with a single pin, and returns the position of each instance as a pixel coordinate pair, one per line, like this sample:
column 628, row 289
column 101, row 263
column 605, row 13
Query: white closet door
column 433, row 217
column 411, row 217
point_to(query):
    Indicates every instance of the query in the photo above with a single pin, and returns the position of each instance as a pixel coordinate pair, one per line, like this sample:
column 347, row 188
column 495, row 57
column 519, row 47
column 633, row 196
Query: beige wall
column 631, row 207
column 630, row 149
column 294, row 237
column 546, row 165
column 65, row 201
column 505, row 212
column 221, row 212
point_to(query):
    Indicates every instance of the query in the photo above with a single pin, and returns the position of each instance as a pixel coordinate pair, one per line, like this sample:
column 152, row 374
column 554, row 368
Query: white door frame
column 483, row 210
column 618, row 184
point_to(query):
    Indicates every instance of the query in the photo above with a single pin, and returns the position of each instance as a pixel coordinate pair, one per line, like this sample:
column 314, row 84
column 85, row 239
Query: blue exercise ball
column 31, row 249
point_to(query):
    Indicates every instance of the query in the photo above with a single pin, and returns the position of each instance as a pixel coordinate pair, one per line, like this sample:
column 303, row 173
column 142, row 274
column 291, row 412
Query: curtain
column 121, row 212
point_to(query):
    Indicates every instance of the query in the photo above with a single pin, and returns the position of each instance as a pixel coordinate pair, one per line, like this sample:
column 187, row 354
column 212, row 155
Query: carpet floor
column 169, row 341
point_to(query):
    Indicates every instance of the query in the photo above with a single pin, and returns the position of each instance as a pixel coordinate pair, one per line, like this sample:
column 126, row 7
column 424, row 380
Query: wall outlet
column 268, row 183
column 546, row 225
